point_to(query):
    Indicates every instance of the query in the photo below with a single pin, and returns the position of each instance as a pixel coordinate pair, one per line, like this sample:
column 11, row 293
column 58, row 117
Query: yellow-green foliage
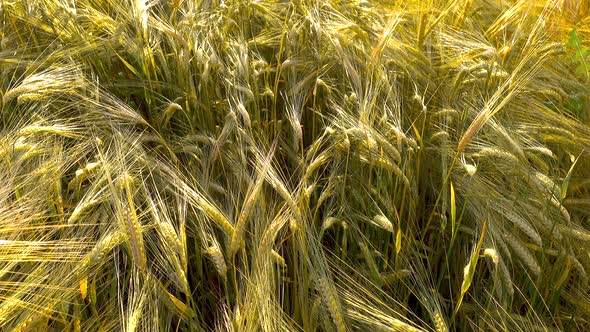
column 307, row 165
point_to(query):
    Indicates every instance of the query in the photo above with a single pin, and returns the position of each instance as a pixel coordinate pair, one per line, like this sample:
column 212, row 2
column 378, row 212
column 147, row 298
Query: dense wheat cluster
column 306, row 165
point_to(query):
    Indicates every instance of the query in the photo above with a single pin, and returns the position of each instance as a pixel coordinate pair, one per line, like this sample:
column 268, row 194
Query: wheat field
column 305, row 165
